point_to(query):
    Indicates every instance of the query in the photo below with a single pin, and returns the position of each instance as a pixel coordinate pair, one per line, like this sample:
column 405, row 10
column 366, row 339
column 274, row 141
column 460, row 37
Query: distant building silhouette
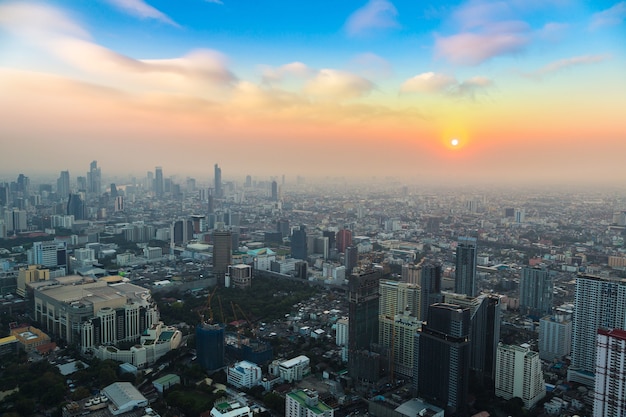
column 536, row 292
column 299, row 243
column 76, row 207
column 465, row 274
column 222, row 254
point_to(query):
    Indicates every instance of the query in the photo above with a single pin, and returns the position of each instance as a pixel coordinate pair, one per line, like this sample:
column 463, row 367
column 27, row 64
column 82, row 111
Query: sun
column 454, row 142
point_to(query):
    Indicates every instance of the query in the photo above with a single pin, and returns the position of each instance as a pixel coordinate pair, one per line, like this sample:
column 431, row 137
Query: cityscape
column 378, row 208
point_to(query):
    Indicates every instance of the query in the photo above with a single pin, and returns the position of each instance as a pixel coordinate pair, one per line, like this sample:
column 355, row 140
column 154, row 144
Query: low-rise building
column 244, row 374
column 306, row 403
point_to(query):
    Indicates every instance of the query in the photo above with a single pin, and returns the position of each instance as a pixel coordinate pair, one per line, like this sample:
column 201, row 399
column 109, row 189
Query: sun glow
column 454, row 142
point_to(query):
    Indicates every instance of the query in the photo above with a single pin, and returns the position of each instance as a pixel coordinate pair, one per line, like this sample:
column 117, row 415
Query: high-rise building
column 442, row 352
column 344, row 239
column 76, row 207
column 465, row 274
column 430, row 287
column 363, row 313
column 50, row 254
column 282, row 226
column 351, row 258
column 299, row 243
column 519, row 374
column 210, row 346
column 485, row 321
column 159, row 184
column 599, row 303
column 536, row 288
column 181, row 232
column 219, row 191
column 63, row 185
column 306, row 403
column 94, row 179
column 222, row 254
column 610, row 385
column 341, row 335
column 16, row 220
column 274, row 191
column 555, row 335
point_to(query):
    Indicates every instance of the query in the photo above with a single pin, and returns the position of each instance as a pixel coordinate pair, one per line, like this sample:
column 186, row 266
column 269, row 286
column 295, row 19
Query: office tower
column 321, row 246
column 159, row 185
column 16, row 221
column 63, row 185
column 211, row 201
column 50, row 254
column 465, row 275
column 199, row 223
column 113, row 193
column 30, row 274
column 442, row 351
column 210, row 346
column 555, row 335
column 341, row 334
column 485, row 321
column 219, row 192
column 509, row 212
column 94, row 180
column 351, row 258
column 274, row 191
column 520, row 216
column 248, row 181
column 610, row 386
column 363, row 311
column 81, row 183
column 299, row 243
column 4, row 194
column 599, row 303
column 332, row 242
column 344, row 239
column 181, row 232
column 118, row 204
column 430, row 287
column 519, row 374
column 222, row 254
column 23, row 185
column 282, row 226
column 397, row 323
column 536, row 288
column 76, row 207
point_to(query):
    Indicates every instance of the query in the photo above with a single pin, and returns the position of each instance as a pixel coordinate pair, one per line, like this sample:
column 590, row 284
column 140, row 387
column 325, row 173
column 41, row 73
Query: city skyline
column 532, row 91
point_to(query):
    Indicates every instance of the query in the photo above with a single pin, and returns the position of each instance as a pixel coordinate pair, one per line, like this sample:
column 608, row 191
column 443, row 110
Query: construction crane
column 207, row 307
column 250, row 325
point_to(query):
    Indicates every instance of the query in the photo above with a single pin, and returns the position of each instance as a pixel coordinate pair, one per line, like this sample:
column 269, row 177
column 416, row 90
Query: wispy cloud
column 492, row 40
column 142, row 10
column 332, row 83
column 612, row 16
column 437, row 83
column 375, row 15
column 215, row 1
column 370, row 66
column 562, row 64
column 35, row 22
column 293, row 69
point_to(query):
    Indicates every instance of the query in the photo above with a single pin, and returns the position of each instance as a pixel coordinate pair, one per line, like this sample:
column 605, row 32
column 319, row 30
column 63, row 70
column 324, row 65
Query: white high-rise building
column 244, row 374
column 610, row 385
column 555, row 335
column 600, row 303
column 341, row 335
column 518, row 374
column 306, row 403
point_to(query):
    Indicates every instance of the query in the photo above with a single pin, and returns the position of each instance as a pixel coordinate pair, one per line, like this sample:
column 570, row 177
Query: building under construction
column 246, row 349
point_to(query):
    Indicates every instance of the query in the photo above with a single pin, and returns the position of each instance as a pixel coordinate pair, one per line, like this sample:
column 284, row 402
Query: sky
column 533, row 91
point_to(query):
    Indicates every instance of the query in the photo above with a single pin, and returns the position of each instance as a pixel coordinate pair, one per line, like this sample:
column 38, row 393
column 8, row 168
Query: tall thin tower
column 219, row 192
column 465, row 276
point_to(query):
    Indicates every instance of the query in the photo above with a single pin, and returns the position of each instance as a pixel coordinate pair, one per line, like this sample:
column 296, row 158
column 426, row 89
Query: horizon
column 478, row 92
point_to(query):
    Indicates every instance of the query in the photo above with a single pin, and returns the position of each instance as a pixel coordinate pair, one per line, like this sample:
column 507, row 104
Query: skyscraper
column 351, row 258
column 519, row 374
column 222, row 254
column 442, row 352
column 610, row 385
column 600, row 303
column 76, row 207
column 94, row 179
column 274, row 191
column 344, row 239
column 430, row 287
column 159, row 185
column 536, row 288
column 363, row 312
column 299, row 243
column 63, row 185
column 465, row 275
column 555, row 335
column 219, row 192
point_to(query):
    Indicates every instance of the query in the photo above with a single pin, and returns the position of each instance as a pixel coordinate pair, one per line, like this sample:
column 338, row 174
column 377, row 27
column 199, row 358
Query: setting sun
column 454, row 142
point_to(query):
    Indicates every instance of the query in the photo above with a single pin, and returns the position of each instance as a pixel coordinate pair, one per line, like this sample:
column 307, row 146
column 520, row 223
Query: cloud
column 552, row 31
column 561, row 64
column 375, row 15
column 215, row 1
column 428, row 82
column 337, row 84
column 370, row 65
column 293, row 69
column 437, row 83
column 473, row 48
column 612, row 16
column 471, row 88
column 34, row 22
column 142, row 10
